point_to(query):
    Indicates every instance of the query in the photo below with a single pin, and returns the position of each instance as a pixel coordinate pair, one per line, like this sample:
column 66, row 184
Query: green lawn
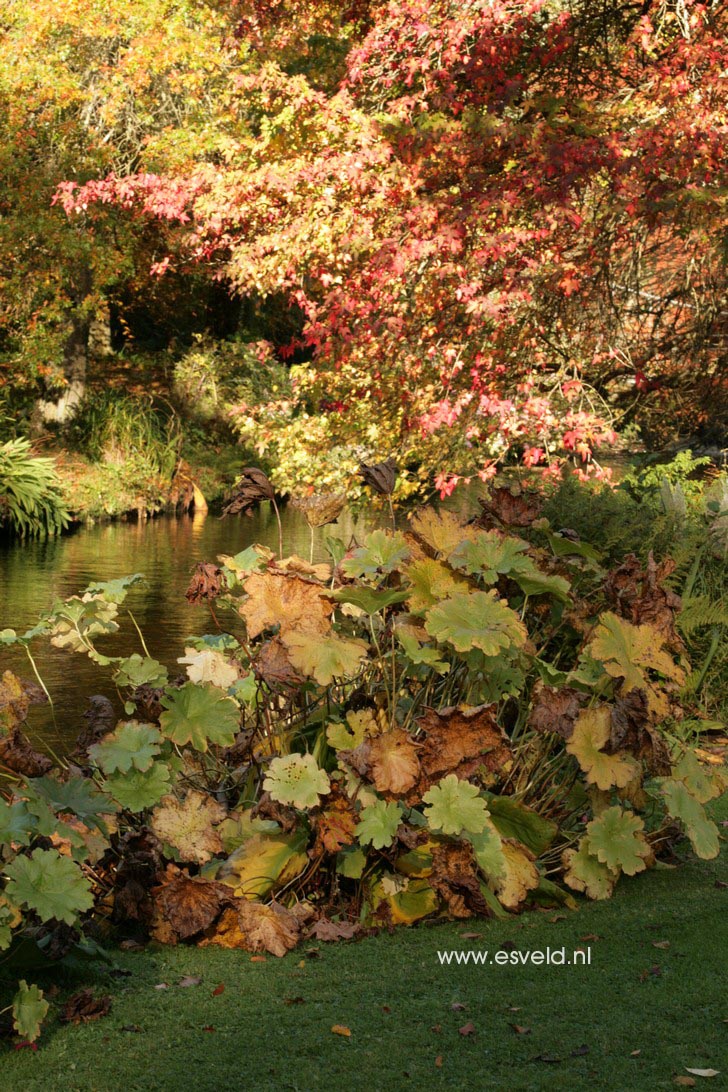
column 633, row 1019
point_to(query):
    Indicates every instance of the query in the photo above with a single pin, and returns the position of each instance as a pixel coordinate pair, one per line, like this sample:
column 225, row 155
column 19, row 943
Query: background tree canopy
column 484, row 230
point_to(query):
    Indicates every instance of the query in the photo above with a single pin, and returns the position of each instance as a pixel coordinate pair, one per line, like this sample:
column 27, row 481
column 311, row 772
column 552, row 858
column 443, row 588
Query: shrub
column 31, row 504
column 446, row 722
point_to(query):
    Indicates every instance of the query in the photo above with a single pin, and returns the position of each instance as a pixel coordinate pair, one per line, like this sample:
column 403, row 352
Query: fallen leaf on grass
column 189, row 980
column 590, row 936
column 550, row 1059
column 467, row 1029
column 132, row 1028
column 436, row 1028
column 438, row 1061
column 341, row 1029
column 520, row 1029
column 471, row 936
column 258, row 959
column 635, row 1053
column 218, row 990
column 208, row 1027
column 458, row 1006
column 334, row 930
column 161, row 986
column 294, row 1001
column 703, row 1072
column 84, row 1007
column 685, row 1082
column 660, row 943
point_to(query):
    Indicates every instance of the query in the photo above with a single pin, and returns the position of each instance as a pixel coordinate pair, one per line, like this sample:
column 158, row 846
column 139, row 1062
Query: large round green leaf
column 476, row 620
column 200, row 714
column 51, row 885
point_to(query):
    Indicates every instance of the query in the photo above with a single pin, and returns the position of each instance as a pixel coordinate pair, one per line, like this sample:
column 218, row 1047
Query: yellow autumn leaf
column 430, row 581
column 520, row 876
column 441, row 531
column 585, row 872
column 628, row 652
column 325, row 657
column 591, row 733
column 295, row 604
column 188, row 825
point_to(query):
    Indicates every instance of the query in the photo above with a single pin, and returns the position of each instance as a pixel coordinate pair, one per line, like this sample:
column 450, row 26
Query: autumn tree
column 85, row 89
column 503, row 209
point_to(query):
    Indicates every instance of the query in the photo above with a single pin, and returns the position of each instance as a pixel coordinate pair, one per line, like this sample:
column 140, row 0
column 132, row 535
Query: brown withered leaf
column 18, row 755
column 84, row 1007
column 205, row 584
column 255, row 927
column 631, row 731
column 510, row 509
column 455, row 879
column 268, row 808
column 188, row 825
column 273, row 665
column 186, row 905
column 555, row 709
column 296, row 566
column 460, row 740
column 389, row 760
column 294, row 604
column 381, row 477
column 336, row 823
column 630, row 715
column 100, row 719
column 148, row 703
column 640, row 595
column 655, row 752
column 320, row 509
column 251, row 488
column 334, row 930
column 138, row 871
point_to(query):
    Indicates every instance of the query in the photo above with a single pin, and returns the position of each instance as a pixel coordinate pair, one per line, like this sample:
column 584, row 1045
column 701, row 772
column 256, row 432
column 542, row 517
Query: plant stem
column 391, row 512
column 280, row 529
column 43, row 686
column 141, row 635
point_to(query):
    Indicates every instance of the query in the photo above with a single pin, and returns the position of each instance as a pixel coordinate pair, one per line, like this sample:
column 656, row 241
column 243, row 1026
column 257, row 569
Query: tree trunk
column 75, row 363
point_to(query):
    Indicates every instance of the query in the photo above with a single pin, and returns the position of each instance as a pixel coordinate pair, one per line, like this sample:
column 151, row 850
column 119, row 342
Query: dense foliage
column 457, row 720
column 493, row 216
column 30, row 499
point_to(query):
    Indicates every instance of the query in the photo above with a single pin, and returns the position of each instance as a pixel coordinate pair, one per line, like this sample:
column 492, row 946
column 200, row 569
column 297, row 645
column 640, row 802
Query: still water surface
column 35, row 574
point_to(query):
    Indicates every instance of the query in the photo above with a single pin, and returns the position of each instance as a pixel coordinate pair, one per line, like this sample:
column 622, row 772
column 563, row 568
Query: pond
column 34, row 575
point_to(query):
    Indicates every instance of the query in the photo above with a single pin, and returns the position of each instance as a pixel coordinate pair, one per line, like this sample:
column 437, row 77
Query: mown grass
column 632, row 1020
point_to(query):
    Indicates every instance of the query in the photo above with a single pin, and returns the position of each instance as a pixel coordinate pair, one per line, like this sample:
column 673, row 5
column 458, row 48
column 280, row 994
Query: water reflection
column 34, row 575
